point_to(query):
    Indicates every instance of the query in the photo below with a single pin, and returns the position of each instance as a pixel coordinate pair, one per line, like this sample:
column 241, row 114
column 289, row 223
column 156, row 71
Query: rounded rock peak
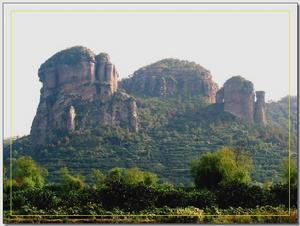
column 260, row 94
column 70, row 56
column 103, row 58
column 239, row 82
column 172, row 65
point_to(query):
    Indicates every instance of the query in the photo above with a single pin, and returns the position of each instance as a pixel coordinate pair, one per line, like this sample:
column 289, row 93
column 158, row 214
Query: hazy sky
column 253, row 45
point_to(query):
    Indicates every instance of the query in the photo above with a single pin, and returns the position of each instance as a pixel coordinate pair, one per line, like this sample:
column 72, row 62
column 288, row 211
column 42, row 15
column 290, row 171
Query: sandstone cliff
column 238, row 97
column 80, row 91
column 171, row 77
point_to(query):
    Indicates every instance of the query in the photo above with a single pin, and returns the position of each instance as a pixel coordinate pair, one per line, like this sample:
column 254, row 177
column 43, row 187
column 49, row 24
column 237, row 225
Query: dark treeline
column 54, row 199
column 222, row 180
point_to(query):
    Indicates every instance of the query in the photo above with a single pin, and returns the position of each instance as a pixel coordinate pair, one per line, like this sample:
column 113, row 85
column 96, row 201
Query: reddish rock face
column 260, row 108
column 171, row 77
column 72, row 79
column 220, row 96
column 238, row 96
column 106, row 75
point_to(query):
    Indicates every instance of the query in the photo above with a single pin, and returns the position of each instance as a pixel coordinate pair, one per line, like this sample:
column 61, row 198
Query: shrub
column 237, row 194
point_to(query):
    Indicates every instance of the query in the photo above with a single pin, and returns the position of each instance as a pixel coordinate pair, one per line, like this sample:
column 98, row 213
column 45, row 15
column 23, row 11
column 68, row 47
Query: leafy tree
column 4, row 171
column 5, row 179
column 290, row 170
column 150, row 178
column 27, row 173
column 221, row 167
column 114, row 175
column 99, row 178
column 166, row 186
column 71, row 182
column 133, row 176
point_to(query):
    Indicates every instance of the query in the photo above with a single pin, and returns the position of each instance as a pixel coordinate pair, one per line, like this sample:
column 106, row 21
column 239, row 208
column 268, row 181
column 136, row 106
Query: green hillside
column 173, row 131
column 278, row 113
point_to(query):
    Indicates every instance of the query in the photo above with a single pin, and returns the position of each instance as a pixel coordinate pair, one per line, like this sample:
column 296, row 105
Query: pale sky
column 253, row 45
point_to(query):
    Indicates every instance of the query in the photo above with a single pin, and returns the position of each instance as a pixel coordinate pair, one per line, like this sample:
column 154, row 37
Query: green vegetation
column 125, row 192
column 290, row 172
column 259, row 215
column 222, row 167
column 98, row 178
column 170, row 64
column 26, row 174
column 131, row 176
column 278, row 114
column 71, row 182
column 189, row 159
column 173, row 131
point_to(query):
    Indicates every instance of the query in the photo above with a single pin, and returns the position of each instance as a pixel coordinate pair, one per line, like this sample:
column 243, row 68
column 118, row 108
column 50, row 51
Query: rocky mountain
column 171, row 77
column 159, row 119
column 80, row 91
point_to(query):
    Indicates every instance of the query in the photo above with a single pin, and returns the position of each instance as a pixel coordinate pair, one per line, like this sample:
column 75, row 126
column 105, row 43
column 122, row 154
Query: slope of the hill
column 173, row 132
column 278, row 113
column 171, row 111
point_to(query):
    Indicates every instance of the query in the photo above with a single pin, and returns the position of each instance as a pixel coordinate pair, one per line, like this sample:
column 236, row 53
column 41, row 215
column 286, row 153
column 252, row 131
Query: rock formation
column 260, row 108
column 71, row 119
column 80, row 91
column 171, row 77
column 238, row 97
column 106, row 76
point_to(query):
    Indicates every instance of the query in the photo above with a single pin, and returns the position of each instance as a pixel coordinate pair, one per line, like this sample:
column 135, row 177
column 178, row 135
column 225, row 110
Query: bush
column 211, row 170
column 279, row 195
column 238, row 194
column 201, row 199
column 127, row 197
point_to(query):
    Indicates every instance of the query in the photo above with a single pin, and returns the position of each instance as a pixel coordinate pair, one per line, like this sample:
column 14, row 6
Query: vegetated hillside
column 175, row 118
column 278, row 113
column 173, row 131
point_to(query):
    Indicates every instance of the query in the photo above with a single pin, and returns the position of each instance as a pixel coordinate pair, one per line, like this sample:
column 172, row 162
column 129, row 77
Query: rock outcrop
column 171, row 77
column 71, row 119
column 238, row 97
column 260, row 108
column 80, row 91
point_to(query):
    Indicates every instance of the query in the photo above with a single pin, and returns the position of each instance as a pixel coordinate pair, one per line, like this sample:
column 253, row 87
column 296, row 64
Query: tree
column 71, row 182
column 289, row 171
column 134, row 176
column 99, row 178
column 150, row 179
column 131, row 176
column 114, row 175
column 221, row 167
column 5, row 179
column 27, row 173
